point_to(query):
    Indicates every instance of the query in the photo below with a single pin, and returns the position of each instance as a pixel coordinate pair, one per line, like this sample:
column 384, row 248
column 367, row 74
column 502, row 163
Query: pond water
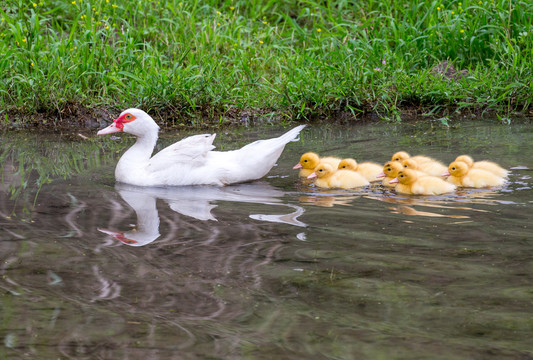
column 275, row 269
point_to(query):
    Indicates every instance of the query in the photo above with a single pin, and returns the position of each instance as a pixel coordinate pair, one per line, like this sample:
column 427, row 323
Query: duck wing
column 191, row 151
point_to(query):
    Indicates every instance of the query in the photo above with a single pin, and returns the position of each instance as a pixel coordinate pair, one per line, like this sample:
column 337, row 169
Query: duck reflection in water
column 196, row 202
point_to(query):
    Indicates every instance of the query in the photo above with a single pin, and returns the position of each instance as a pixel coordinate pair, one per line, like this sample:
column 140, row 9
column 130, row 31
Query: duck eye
column 128, row 116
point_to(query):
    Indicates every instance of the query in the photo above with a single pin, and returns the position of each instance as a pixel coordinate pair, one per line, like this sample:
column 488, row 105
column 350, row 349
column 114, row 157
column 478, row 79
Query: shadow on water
column 272, row 269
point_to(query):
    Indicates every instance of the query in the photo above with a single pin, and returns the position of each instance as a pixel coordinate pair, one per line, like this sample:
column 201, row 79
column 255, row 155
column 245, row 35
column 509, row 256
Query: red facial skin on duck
column 122, row 238
column 126, row 118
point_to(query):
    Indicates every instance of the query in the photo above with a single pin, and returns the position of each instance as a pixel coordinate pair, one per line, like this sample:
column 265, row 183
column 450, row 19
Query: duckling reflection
column 444, row 205
column 195, row 202
column 325, row 200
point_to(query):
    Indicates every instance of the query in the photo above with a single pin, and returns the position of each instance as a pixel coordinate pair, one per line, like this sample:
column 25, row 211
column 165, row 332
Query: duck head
column 400, row 156
column 132, row 121
column 348, row 164
column 405, row 177
column 308, row 160
column 457, row 168
column 410, row 164
column 391, row 169
column 466, row 159
column 321, row 170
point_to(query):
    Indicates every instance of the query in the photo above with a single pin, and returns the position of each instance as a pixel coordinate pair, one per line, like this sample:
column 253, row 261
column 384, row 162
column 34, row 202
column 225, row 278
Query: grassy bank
column 307, row 59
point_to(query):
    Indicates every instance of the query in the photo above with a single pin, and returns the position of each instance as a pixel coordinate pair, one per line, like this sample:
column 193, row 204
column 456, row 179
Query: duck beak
column 297, row 166
column 447, row 173
column 312, row 176
column 119, row 236
column 394, row 181
column 381, row 175
column 109, row 130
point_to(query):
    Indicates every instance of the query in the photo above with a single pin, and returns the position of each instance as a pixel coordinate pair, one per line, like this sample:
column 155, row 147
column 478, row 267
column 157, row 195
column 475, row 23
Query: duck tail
column 293, row 134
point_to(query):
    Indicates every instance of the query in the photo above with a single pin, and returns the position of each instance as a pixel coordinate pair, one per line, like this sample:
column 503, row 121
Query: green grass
column 297, row 60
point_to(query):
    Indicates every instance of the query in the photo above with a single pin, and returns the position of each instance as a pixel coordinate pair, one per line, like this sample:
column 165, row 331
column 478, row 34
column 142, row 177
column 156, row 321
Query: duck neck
column 140, row 153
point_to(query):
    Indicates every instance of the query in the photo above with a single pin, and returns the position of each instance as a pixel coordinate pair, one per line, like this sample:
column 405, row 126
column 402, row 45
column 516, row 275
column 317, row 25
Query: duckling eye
column 453, row 168
column 305, row 160
column 322, row 170
column 405, row 166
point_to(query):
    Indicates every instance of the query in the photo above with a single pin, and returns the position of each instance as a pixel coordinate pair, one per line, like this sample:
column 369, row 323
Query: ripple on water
column 274, row 269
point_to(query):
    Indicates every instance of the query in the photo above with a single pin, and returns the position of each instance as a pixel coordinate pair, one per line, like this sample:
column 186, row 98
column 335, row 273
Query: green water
column 271, row 270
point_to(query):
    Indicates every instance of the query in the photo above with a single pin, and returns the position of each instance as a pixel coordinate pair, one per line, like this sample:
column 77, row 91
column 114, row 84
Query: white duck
column 190, row 161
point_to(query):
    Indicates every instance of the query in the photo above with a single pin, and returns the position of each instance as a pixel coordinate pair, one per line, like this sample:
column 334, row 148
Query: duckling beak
column 381, row 175
column 447, row 173
column 297, row 166
column 393, row 181
column 312, row 176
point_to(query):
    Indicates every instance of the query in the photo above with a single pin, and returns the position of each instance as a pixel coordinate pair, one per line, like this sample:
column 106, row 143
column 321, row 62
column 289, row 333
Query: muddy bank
column 76, row 117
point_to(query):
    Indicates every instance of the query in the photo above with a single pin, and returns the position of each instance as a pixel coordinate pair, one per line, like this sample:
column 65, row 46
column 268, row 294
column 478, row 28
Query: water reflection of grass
column 28, row 162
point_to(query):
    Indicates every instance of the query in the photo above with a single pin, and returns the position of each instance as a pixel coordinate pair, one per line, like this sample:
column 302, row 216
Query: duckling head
column 391, row 169
column 466, row 159
column 400, row 156
column 321, row 170
column 406, row 177
column 410, row 164
column 457, row 168
column 348, row 164
column 309, row 160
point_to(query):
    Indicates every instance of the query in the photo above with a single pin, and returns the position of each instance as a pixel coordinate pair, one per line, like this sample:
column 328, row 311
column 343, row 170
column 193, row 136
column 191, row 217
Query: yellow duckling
column 328, row 177
column 461, row 175
column 310, row 160
column 433, row 168
column 408, row 182
column 484, row 165
column 402, row 155
column 368, row 169
column 390, row 171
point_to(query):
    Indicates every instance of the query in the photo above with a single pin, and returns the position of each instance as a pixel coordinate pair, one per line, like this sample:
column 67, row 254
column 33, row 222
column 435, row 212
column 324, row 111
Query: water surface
column 275, row 269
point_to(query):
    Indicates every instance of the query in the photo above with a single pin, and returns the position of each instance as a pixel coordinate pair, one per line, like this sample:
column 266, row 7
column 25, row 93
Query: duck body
column 460, row 174
column 369, row 170
column 310, row 160
column 408, row 182
column 330, row 178
column 190, row 161
column 483, row 165
column 433, row 168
